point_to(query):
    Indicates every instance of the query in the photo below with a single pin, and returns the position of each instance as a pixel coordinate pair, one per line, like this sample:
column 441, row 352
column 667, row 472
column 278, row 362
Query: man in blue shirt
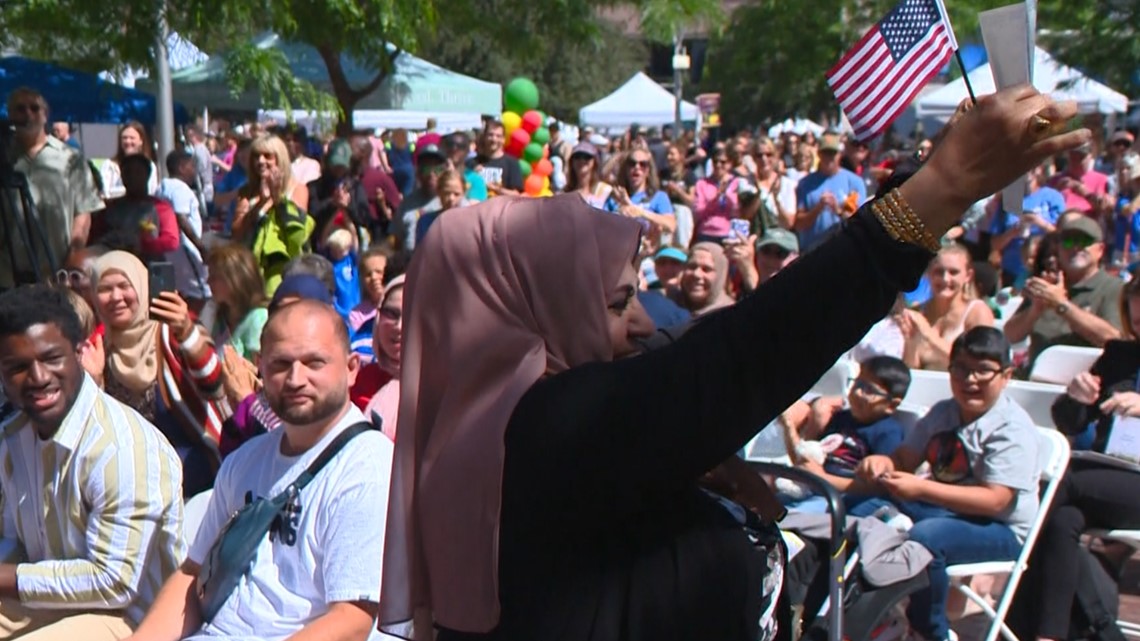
column 826, row 196
column 1042, row 207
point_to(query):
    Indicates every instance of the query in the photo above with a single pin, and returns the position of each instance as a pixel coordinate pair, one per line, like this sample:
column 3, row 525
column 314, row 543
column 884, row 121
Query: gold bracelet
column 902, row 224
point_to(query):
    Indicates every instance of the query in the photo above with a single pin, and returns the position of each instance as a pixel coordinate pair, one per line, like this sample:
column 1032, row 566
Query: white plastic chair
column 1036, row 398
column 1010, row 307
column 1059, row 364
column 836, row 380
column 1053, row 454
column 194, row 513
column 927, row 388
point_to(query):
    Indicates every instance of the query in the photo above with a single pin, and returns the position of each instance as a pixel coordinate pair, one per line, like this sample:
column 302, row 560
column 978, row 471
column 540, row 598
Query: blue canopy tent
column 80, row 97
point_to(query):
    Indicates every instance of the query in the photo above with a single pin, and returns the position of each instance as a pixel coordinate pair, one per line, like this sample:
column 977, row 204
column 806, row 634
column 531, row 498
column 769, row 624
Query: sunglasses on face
column 1077, row 242
column 1120, row 143
column 775, row 252
column 643, row 164
column 963, row 372
column 70, row 277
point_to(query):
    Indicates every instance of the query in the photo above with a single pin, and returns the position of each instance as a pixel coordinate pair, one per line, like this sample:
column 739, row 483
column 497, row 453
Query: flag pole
column 965, row 76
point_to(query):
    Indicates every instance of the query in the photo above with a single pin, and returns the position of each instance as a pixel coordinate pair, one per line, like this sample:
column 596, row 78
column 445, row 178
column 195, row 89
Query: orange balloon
column 543, row 168
column 533, row 185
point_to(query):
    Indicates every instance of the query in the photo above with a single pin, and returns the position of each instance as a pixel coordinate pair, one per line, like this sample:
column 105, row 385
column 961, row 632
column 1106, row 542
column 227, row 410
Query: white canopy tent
column 1049, row 76
column 640, row 101
column 381, row 119
column 798, row 126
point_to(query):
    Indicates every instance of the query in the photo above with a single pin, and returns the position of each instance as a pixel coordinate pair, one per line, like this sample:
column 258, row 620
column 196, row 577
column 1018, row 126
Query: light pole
column 165, row 102
column 681, row 64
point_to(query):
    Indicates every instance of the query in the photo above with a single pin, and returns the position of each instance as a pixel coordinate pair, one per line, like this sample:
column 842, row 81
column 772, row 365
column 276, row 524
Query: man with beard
column 317, row 573
column 93, row 492
column 1082, row 309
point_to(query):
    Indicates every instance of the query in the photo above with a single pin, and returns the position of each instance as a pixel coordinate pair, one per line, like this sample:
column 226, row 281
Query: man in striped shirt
column 91, row 506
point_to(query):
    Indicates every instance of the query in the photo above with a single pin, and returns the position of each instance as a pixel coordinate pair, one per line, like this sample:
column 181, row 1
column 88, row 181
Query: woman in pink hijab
column 381, row 378
column 544, row 487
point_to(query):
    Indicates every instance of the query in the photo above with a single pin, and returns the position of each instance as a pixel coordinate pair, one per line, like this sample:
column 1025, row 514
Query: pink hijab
column 385, row 403
column 512, row 290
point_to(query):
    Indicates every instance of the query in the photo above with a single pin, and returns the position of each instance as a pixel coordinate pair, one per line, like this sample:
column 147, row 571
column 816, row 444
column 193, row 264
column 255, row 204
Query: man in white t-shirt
column 189, row 268
column 317, row 573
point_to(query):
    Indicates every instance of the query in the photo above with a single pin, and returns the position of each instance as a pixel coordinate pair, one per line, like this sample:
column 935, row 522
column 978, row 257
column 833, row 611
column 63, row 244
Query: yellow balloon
column 511, row 121
column 546, row 183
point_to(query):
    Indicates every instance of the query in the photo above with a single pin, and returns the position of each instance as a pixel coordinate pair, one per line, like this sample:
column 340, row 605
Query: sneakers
column 890, row 515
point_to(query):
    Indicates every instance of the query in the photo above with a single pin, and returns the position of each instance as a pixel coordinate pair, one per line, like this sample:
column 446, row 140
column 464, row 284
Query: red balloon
column 518, row 141
column 533, row 185
column 531, row 121
column 543, row 168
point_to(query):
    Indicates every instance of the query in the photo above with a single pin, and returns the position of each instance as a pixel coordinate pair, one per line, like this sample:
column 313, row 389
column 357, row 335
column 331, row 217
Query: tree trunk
column 346, row 96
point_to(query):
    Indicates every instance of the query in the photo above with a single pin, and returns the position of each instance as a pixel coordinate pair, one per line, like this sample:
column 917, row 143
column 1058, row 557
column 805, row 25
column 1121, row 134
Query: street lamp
column 681, row 64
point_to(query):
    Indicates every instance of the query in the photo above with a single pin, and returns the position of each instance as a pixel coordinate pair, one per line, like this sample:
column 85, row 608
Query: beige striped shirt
column 97, row 508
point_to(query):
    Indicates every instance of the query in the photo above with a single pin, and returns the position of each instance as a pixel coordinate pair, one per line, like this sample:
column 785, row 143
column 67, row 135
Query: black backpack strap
column 330, row 451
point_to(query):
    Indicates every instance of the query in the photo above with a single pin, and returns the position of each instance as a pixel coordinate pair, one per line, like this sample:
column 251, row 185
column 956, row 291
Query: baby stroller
column 828, row 571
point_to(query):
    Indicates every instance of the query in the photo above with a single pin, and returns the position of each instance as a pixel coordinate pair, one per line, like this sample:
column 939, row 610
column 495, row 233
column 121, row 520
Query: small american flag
column 876, row 80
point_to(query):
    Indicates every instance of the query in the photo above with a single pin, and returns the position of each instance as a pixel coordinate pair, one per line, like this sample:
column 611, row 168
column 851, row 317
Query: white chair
column 1053, row 453
column 836, row 380
column 1036, row 398
column 927, row 388
column 1059, row 364
column 1009, row 308
column 194, row 513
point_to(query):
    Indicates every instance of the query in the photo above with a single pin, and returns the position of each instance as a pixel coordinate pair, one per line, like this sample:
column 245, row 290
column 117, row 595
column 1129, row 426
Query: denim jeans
column 952, row 539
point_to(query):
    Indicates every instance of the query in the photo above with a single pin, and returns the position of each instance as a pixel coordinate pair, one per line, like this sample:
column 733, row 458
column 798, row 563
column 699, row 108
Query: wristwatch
column 1062, row 308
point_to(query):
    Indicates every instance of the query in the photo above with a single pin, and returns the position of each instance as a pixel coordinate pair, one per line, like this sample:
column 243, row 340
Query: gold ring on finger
column 1040, row 127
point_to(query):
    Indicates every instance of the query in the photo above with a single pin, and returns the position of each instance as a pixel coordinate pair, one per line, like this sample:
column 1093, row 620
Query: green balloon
column 521, row 96
column 541, row 136
column 524, row 166
column 533, row 152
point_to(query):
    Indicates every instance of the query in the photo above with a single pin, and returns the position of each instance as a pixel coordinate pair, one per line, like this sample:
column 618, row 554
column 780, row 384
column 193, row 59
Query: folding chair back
column 1053, row 457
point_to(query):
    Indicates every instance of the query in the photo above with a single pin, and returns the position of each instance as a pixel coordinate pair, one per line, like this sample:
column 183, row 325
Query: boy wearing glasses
column 981, row 497
column 1084, row 308
column 867, row 427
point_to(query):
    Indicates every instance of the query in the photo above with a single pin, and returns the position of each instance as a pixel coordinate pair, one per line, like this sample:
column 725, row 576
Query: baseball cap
column 781, row 238
column 1122, row 136
column 671, row 253
column 339, row 154
column 1084, row 225
column 457, row 140
column 830, row 142
column 430, row 144
column 584, row 148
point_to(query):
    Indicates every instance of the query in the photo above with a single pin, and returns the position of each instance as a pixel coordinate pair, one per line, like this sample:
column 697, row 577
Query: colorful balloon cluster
column 527, row 136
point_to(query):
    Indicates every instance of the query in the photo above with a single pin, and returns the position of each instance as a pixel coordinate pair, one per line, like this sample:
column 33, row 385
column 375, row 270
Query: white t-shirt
column 189, row 270
column 330, row 551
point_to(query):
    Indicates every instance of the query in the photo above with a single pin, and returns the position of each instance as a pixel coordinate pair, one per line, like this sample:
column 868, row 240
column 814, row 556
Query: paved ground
column 972, row 628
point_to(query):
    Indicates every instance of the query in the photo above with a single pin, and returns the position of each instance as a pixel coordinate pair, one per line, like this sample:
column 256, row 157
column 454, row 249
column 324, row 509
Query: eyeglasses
column 29, row 107
column 775, row 251
column 869, row 389
column 71, row 277
column 631, row 163
column 1077, row 241
column 963, row 372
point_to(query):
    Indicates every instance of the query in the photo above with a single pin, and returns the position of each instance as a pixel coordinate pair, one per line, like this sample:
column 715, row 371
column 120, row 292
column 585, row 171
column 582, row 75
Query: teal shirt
column 476, row 186
column 246, row 337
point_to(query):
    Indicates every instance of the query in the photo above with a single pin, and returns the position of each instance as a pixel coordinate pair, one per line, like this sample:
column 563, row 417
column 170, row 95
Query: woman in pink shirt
column 716, row 201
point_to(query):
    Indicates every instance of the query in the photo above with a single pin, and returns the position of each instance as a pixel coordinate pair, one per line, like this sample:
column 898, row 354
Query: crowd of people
column 510, row 478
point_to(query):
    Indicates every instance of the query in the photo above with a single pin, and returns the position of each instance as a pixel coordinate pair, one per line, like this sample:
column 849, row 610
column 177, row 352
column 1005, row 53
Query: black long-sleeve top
column 604, row 532
column 1117, row 368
